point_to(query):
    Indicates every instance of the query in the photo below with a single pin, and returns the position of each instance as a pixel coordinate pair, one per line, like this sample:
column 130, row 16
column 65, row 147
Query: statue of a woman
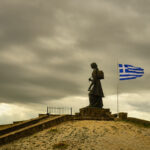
column 95, row 88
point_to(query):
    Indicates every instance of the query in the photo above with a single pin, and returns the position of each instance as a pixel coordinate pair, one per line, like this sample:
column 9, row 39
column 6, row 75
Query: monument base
column 94, row 113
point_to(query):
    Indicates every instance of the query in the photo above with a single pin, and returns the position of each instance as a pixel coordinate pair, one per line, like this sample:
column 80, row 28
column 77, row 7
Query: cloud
column 135, row 104
column 132, row 103
column 9, row 114
column 46, row 48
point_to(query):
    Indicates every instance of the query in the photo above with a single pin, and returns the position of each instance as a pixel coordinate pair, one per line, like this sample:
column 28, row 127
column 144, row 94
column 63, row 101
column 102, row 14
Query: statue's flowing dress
column 96, row 93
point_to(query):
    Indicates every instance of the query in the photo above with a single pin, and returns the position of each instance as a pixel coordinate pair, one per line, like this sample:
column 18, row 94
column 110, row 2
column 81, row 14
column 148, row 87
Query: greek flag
column 128, row 72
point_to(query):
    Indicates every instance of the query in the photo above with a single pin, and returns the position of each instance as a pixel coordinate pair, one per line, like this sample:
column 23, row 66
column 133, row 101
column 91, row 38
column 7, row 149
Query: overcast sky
column 46, row 48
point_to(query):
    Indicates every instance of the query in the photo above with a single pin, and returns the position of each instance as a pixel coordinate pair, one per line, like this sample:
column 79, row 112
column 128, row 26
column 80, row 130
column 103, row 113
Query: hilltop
column 86, row 135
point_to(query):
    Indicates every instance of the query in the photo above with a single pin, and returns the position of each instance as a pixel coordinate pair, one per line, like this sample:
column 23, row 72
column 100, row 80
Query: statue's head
column 93, row 65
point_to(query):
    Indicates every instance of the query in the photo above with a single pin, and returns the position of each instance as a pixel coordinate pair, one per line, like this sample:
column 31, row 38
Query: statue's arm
column 93, row 80
column 92, row 83
column 90, row 86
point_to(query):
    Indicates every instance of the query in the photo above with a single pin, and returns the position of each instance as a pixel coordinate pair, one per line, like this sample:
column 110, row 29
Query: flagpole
column 117, row 89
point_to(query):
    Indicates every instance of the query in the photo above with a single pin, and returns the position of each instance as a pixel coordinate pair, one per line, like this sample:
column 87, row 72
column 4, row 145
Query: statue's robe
column 97, row 87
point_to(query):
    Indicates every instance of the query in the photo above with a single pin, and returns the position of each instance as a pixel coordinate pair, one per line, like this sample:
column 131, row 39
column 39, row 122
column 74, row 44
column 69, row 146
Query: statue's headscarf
column 94, row 65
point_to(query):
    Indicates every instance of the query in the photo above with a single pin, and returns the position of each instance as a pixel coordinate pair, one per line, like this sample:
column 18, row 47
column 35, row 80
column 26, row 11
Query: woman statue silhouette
column 95, row 88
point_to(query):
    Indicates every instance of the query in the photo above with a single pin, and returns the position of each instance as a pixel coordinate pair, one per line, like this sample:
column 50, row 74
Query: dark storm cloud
column 140, row 102
column 46, row 46
column 21, row 84
column 142, row 106
column 22, row 22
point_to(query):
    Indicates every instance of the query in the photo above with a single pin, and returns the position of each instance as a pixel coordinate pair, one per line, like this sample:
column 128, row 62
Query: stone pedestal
column 94, row 113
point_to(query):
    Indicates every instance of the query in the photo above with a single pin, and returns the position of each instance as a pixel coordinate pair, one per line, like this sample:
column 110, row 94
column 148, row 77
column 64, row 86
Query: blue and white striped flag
column 128, row 72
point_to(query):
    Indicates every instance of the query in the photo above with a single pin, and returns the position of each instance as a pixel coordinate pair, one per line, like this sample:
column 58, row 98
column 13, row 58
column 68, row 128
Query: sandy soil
column 86, row 135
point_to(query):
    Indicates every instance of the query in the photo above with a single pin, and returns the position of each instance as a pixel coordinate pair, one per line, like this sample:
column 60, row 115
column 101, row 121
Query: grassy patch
column 60, row 145
column 53, row 131
column 138, row 122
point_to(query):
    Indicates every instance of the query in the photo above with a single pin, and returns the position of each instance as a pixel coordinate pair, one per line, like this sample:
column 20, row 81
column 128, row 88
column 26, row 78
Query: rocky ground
column 86, row 135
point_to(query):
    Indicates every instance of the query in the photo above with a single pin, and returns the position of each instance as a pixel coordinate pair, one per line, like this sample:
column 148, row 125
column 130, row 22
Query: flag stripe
column 128, row 71
column 139, row 69
column 127, row 78
column 128, row 75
